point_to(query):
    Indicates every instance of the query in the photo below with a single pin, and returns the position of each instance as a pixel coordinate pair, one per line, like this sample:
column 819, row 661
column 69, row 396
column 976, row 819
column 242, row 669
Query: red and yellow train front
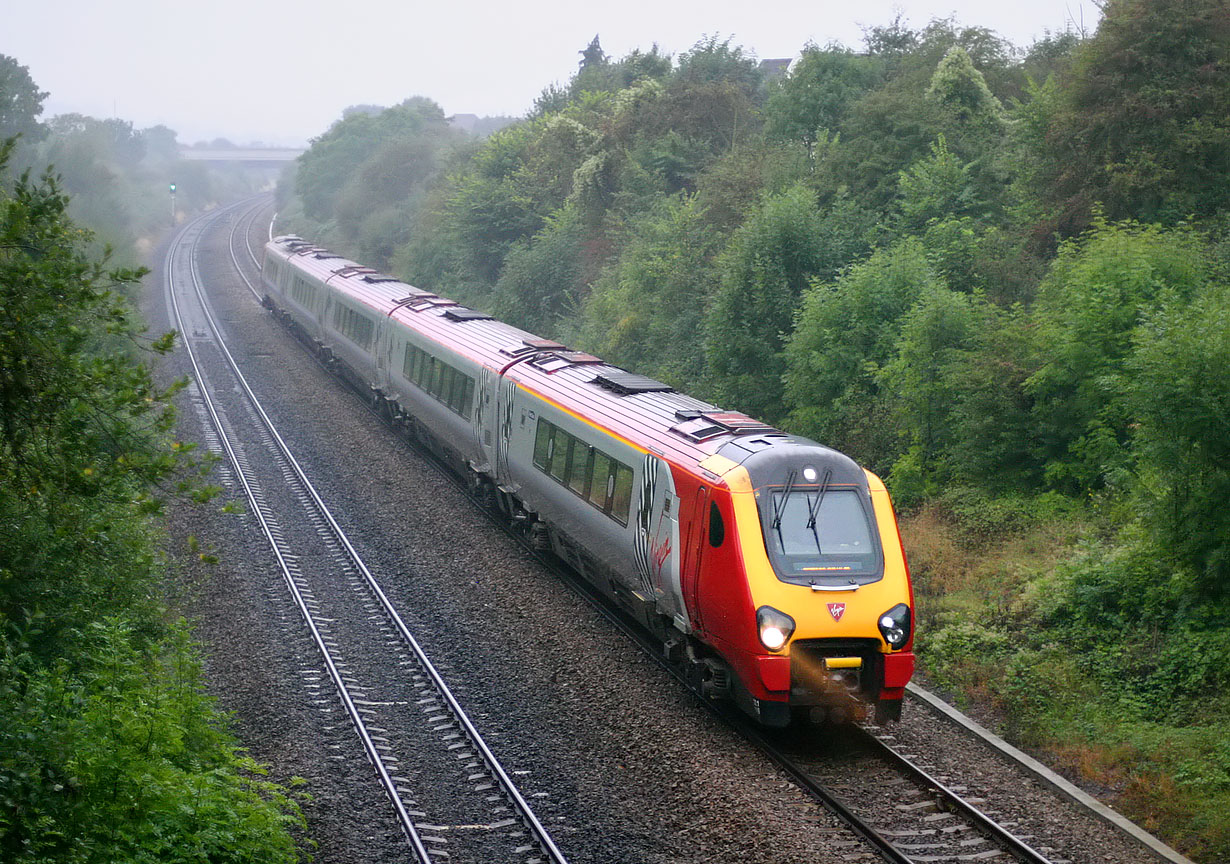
column 810, row 602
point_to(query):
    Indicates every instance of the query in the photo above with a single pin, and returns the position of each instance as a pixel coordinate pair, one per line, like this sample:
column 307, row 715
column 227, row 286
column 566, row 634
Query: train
column 769, row 567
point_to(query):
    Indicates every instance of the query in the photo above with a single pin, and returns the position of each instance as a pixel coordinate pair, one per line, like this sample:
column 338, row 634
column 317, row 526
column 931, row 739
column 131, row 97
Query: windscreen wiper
column 814, row 511
column 779, row 508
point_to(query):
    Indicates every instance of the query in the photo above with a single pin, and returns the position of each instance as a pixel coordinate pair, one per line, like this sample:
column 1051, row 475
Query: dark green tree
column 1099, row 289
column 21, row 103
column 768, row 264
column 646, row 310
column 1178, row 396
column 1143, row 124
column 816, row 96
column 846, row 331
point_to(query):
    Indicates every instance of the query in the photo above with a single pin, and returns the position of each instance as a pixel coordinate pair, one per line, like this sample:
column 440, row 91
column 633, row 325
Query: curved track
column 397, row 701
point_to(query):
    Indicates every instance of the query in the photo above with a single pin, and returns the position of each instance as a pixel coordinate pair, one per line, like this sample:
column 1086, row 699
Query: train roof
column 648, row 414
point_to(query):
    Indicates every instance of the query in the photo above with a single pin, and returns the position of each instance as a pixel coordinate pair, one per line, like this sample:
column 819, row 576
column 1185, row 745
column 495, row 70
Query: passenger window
column 717, row 527
column 578, row 468
column 413, row 362
column 542, row 445
column 559, row 458
column 437, row 377
column 599, row 485
column 447, row 384
column 622, row 496
column 463, row 395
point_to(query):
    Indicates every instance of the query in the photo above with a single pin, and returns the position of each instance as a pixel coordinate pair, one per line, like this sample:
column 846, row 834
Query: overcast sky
column 281, row 73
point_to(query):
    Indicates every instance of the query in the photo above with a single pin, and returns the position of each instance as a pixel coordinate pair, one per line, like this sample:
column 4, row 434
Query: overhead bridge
column 248, row 155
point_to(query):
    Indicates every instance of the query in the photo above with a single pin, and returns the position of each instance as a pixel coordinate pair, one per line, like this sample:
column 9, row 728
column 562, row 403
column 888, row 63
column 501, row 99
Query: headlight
column 895, row 625
column 774, row 627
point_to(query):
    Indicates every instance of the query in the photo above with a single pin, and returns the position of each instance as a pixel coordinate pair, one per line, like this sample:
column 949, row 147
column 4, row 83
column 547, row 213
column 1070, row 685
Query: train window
column 621, row 497
column 407, row 364
column 452, row 383
column 601, row 480
column 437, row 378
column 578, row 468
column 542, row 445
column 559, row 458
column 595, row 476
column 717, row 527
column 467, row 397
column 808, row 535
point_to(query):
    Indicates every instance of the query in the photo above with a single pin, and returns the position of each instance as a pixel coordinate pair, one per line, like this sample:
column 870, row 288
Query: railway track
column 450, row 795
column 913, row 817
column 918, row 812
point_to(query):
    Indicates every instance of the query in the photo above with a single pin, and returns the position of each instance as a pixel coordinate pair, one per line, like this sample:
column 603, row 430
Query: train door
column 502, row 427
column 657, row 537
column 697, row 533
column 382, row 351
column 486, row 417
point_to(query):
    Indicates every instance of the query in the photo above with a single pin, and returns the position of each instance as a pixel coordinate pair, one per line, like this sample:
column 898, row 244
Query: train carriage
column 769, row 566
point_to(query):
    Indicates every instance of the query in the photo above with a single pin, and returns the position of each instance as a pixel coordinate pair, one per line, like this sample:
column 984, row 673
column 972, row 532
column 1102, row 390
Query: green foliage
column 21, row 103
column 122, row 759
column 960, row 87
column 1178, row 395
column 1098, row 290
column 936, row 187
column 108, row 749
column 920, row 387
column 646, row 310
column 845, row 333
column 1143, row 124
column 539, row 283
column 361, row 181
column 764, row 270
column 817, row 95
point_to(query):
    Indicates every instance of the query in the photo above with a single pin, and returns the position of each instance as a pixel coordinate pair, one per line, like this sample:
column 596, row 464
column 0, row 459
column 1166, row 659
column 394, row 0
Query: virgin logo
column 837, row 610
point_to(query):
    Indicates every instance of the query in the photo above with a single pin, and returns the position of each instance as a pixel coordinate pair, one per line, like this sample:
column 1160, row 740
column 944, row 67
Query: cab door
column 692, row 553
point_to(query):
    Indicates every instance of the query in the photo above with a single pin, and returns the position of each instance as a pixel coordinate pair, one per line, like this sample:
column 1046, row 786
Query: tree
column 765, row 269
column 593, row 55
column 921, row 387
column 646, row 310
column 540, row 278
column 960, row 87
column 21, row 103
column 1143, row 125
column 1179, row 398
column 846, row 331
column 109, row 748
column 816, row 96
column 1099, row 289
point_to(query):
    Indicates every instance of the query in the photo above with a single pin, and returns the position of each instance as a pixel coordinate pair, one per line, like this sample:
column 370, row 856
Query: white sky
column 281, row 73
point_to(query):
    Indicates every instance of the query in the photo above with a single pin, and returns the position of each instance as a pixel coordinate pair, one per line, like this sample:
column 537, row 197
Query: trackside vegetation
column 998, row 276
column 110, row 749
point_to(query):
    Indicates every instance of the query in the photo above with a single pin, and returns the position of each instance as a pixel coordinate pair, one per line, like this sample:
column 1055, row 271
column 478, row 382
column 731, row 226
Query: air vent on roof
column 554, row 361
column 380, row 277
column 324, row 254
column 461, row 313
column 529, row 347
column 431, row 301
column 702, row 425
column 628, row 384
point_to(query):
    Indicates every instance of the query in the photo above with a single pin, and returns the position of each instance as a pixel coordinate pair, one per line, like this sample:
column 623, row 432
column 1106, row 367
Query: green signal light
column 172, row 188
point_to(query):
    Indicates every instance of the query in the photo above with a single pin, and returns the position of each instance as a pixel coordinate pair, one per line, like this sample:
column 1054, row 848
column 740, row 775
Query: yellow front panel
column 822, row 614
